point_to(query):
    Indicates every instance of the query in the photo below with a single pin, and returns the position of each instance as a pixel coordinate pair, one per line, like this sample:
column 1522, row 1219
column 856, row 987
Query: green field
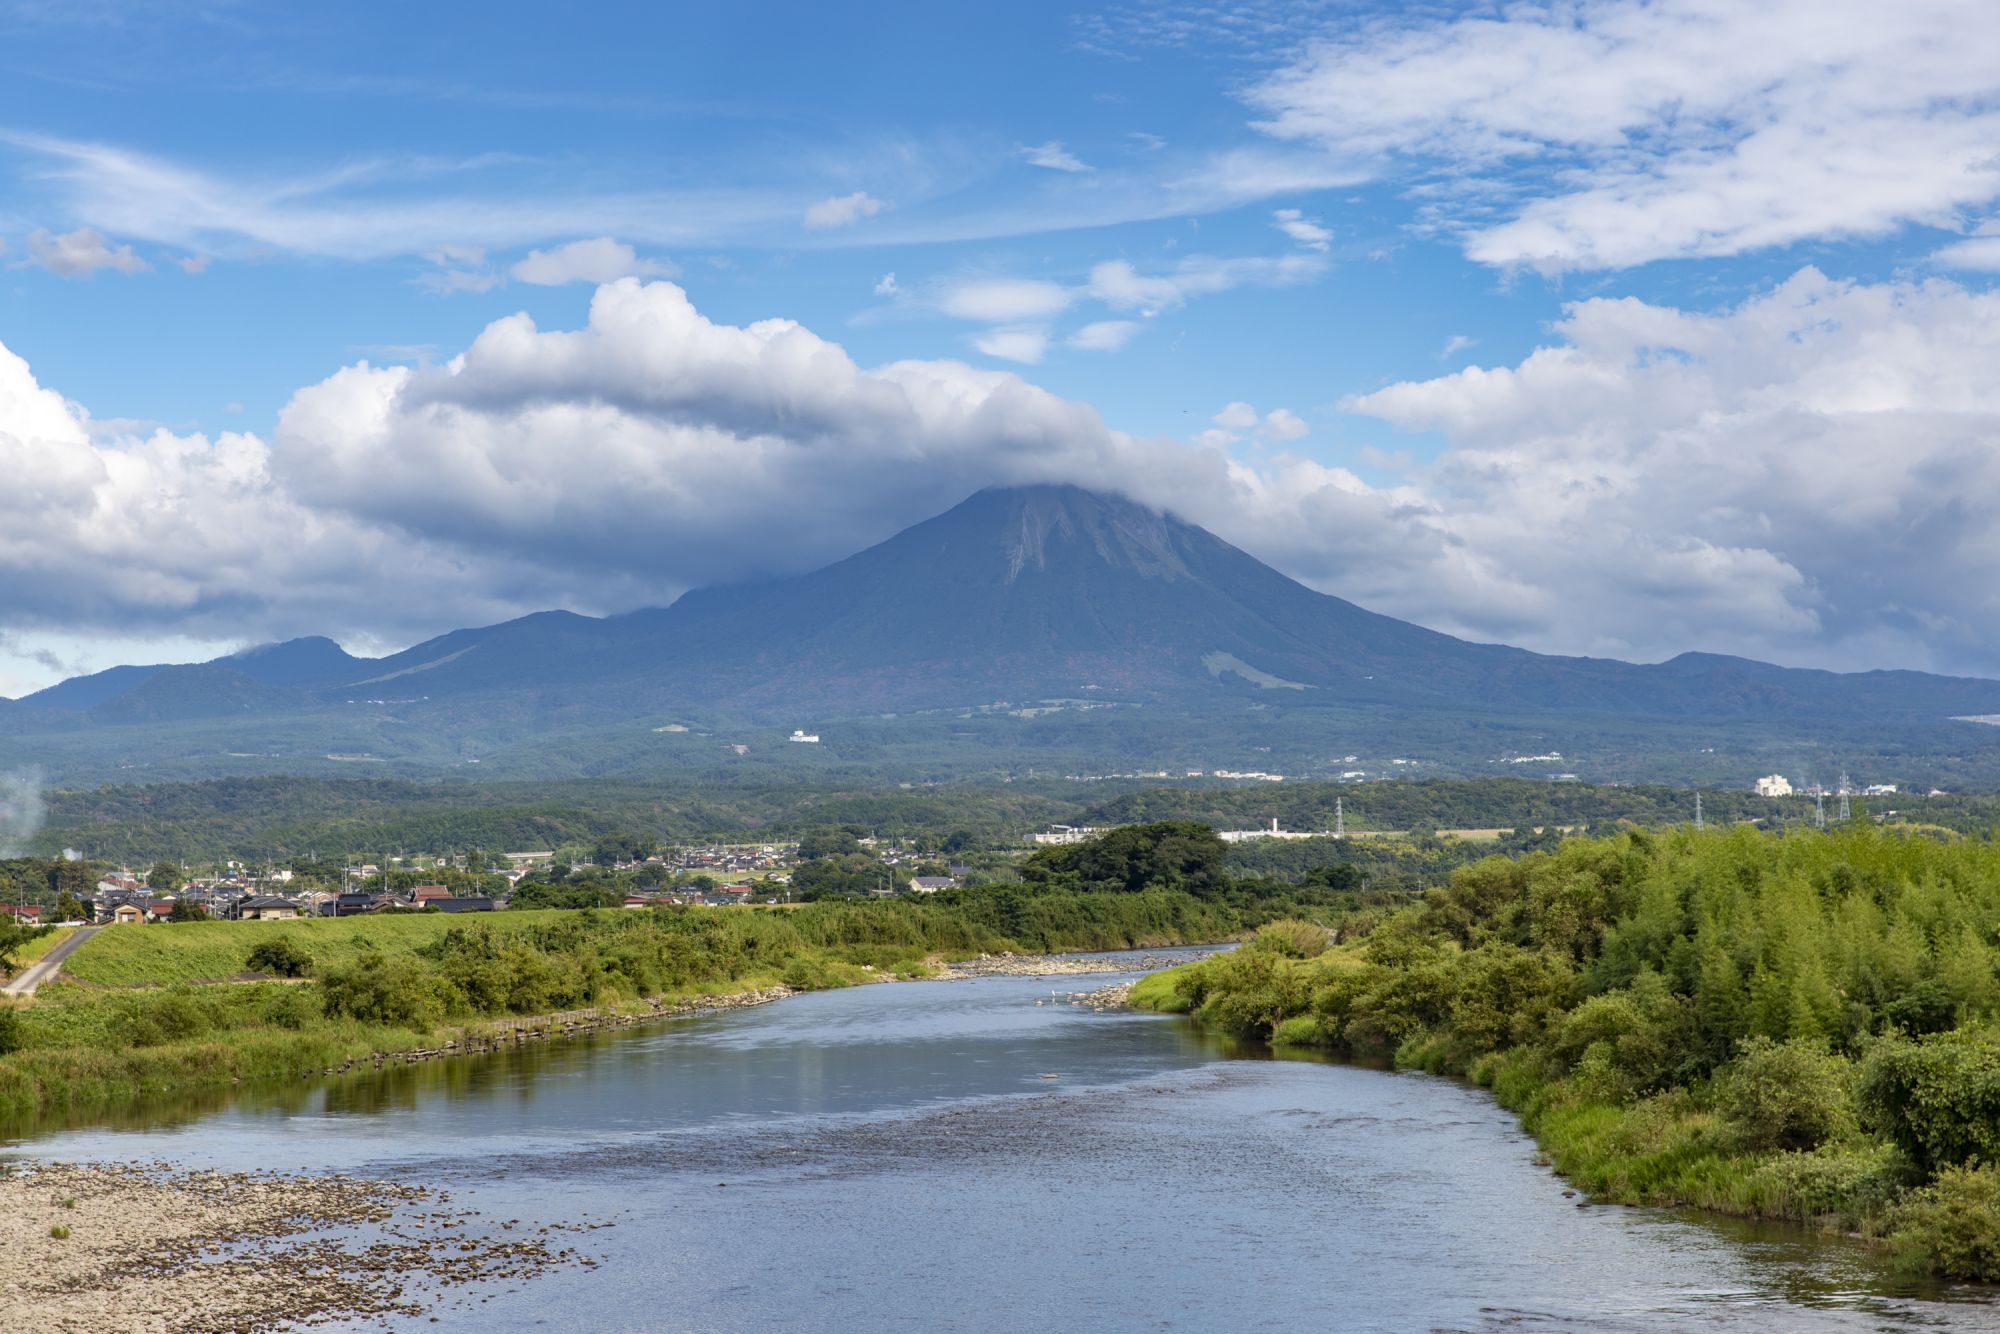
column 159, row 953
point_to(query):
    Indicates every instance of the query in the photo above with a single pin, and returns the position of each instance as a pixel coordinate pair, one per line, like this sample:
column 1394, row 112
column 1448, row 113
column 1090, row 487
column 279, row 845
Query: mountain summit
column 1022, row 595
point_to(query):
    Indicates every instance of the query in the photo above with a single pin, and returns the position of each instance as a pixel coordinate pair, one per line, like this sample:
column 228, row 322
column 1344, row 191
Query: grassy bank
column 1800, row 1028
column 135, row 1018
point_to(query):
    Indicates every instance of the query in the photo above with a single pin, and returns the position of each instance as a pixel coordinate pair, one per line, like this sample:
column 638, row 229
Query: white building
column 800, row 735
column 1774, row 785
column 1244, row 835
column 1057, row 835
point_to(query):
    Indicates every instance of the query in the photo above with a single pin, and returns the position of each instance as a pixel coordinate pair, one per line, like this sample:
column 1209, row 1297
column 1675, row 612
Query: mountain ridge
column 1014, row 595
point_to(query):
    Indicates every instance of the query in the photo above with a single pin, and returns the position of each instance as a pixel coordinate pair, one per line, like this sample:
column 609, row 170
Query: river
column 897, row 1158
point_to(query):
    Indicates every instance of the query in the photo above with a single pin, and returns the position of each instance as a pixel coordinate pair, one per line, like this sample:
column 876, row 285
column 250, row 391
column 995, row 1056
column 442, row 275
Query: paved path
column 46, row 967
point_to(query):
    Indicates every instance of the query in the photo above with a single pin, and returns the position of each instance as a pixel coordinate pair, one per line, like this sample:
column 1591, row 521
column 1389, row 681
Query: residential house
column 126, row 912
column 24, row 914
column 266, row 908
column 931, row 884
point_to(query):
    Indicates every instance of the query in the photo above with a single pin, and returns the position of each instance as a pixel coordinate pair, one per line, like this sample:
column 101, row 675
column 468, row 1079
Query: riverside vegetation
column 143, row 1011
column 1796, row 1027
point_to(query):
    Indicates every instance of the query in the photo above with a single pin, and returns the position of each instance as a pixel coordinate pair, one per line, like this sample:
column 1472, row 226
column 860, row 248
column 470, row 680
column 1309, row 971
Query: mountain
column 1027, row 596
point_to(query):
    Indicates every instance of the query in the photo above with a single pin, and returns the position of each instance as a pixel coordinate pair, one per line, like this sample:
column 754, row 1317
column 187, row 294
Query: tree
column 817, row 843
column 68, row 907
column 12, row 938
column 164, row 876
column 187, row 912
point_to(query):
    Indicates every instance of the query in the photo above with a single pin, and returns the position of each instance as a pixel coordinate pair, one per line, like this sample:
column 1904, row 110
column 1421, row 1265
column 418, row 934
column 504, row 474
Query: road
column 46, row 967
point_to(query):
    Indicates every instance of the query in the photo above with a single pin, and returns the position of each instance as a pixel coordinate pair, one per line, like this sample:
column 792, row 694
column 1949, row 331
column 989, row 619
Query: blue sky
column 1435, row 309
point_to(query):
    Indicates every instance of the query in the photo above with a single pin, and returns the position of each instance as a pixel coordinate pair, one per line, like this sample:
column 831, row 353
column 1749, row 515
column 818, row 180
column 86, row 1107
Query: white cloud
column 1609, row 133
column 193, row 264
column 1807, row 476
column 1103, row 335
column 1306, row 231
column 79, row 254
column 886, row 285
column 843, row 211
column 1456, row 344
column 1284, row 424
column 1002, row 300
column 1237, row 416
column 1121, row 286
column 601, row 260
column 458, row 268
column 1053, row 156
column 1024, row 343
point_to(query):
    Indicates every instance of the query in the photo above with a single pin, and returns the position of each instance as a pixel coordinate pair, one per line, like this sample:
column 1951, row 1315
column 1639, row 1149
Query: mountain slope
column 1019, row 595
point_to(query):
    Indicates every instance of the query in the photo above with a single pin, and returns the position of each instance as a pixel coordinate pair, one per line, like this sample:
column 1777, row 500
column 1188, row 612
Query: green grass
column 40, row 946
column 158, row 953
column 1156, row 992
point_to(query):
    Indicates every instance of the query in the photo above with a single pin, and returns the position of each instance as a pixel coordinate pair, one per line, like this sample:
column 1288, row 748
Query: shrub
column 1938, row 1099
column 1952, row 1227
column 59, row 1232
column 1293, row 939
column 10, row 1030
column 280, row 956
column 382, row 990
column 1784, row 1095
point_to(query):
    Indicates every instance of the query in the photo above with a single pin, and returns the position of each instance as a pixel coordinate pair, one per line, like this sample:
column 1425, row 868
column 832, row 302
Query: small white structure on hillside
column 1774, row 785
column 1244, row 835
column 800, row 735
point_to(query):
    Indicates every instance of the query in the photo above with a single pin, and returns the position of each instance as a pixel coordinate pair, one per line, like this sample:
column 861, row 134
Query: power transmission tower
column 1339, row 820
column 1845, row 787
column 1819, row 808
column 1697, row 812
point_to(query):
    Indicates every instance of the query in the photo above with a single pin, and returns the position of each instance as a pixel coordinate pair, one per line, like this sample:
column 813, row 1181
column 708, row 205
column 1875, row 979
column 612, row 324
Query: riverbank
column 152, row 1250
column 1054, row 965
column 1797, row 1029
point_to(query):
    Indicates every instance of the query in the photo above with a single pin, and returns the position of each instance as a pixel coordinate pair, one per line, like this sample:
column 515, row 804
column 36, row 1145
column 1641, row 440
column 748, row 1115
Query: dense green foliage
column 282, row 819
column 1800, row 1026
column 144, row 1016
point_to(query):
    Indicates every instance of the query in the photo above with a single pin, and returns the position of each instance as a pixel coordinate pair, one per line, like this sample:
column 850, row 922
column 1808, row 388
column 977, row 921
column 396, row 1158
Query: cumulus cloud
column 1053, row 156
column 1609, row 133
column 843, row 211
column 1806, row 476
column 601, row 260
column 1103, row 335
column 886, row 285
column 79, row 254
column 1022, row 343
column 1284, row 424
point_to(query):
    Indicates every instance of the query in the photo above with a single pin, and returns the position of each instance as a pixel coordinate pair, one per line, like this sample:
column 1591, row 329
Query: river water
column 897, row 1158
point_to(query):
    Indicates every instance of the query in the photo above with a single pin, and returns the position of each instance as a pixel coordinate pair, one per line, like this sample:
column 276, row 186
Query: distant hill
column 1017, row 595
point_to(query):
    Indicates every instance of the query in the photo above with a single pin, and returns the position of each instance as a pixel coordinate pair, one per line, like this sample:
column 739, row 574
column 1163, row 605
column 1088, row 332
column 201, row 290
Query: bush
column 10, row 1030
column 1937, row 1099
column 1784, row 1095
column 1952, row 1227
column 380, row 990
column 1293, row 939
column 280, row 956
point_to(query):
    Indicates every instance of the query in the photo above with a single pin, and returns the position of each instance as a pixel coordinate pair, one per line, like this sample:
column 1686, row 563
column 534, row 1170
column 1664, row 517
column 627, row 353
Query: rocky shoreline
column 1052, row 965
column 148, row 1249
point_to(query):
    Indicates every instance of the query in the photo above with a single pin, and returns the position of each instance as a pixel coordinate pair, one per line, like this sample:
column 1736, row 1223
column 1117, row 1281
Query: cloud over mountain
column 1792, row 477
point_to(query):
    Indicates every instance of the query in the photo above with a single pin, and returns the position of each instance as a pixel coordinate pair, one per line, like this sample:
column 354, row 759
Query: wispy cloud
column 1613, row 133
column 843, row 210
column 1306, row 231
column 1053, row 156
column 79, row 254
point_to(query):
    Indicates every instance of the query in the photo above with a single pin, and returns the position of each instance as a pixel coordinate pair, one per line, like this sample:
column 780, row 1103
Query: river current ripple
column 898, row 1158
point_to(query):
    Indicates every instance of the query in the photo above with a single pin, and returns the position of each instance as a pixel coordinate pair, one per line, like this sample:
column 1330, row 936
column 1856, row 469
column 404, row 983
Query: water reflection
column 900, row 1157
